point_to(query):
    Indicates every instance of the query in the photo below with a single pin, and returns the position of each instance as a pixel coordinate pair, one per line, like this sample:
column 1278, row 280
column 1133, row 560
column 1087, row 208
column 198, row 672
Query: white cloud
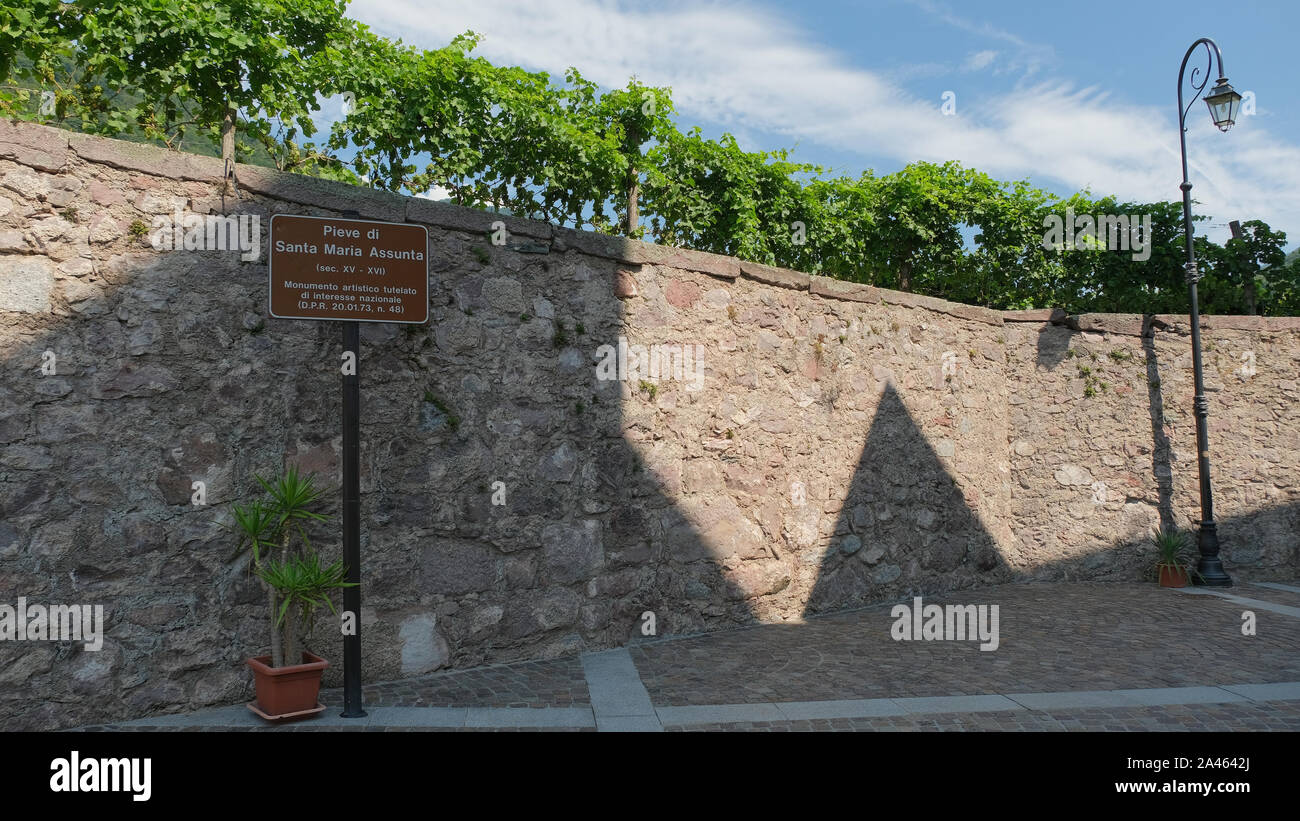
column 980, row 60
column 756, row 72
column 1030, row 56
column 436, row 193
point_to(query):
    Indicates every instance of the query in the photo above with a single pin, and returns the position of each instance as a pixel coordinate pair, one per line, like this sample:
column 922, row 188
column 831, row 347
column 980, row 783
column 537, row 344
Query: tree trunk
column 1250, row 293
column 228, row 146
column 281, row 653
column 633, row 181
column 633, row 193
column 277, row 646
column 292, row 655
column 906, row 259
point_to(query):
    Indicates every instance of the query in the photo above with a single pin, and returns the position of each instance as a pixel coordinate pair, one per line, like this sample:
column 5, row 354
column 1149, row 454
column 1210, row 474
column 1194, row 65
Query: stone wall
column 1104, row 444
column 845, row 445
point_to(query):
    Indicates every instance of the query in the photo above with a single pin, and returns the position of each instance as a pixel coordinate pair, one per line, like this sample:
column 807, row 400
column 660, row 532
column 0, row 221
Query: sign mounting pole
column 352, row 520
column 351, row 271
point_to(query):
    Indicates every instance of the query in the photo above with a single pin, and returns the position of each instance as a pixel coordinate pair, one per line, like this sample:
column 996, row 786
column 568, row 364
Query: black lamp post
column 1223, row 103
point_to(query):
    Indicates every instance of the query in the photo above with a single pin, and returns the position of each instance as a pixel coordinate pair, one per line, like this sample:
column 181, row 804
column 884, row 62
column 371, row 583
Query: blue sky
column 1067, row 95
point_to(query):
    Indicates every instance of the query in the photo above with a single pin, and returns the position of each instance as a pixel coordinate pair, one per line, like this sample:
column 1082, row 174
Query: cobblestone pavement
column 1056, row 639
column 1250, row 591
column 1053, row 638
column 551, row 683
column 1273, row 716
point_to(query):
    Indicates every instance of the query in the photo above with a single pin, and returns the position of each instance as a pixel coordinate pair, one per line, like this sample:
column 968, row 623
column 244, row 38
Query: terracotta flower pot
column 1173, row 576
column 290, row 690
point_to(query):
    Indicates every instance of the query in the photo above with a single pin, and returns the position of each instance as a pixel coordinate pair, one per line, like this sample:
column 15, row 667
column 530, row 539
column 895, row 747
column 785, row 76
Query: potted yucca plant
column 297, row 585
column 1172, row 566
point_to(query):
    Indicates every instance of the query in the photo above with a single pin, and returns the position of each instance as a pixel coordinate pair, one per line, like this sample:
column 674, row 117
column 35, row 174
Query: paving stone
column 1261, row 692
column 1271, row 605
column 1053, row 638
column 841, row 708
column 1071, row 657
column 529, row 717
column 629, row 724
column 550, row 683
column 956, row 704
column 719, row 713
column 1281, row 716
column 615, row 688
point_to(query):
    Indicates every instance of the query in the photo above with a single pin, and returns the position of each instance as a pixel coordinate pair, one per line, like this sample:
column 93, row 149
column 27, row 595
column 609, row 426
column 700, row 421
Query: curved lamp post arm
column 1212, row 55
column 1210, row 568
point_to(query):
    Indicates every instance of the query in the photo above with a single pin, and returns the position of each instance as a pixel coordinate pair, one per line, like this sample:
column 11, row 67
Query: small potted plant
column 297, row 585
column 1172, row 566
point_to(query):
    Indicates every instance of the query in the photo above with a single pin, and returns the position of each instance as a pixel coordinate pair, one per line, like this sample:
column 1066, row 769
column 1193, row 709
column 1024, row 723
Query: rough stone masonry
column 846, row 445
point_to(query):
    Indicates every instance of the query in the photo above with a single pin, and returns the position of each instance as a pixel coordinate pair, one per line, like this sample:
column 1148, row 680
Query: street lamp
column 1223, row 102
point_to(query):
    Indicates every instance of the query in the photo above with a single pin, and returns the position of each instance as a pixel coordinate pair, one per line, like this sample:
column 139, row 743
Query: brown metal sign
column 360, row 270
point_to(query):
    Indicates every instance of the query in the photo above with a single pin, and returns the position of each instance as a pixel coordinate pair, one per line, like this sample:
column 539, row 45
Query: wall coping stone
column 1216, row 322
column 666, row 255
column 148, row 159
column 771, row 275
column 636, row 252
column 39, row 146
column 47, row 148
column 1035, row 315
column 332, row 195
column 470, row 220
column 1122, row 324
column 972, row 312
column 840, row 289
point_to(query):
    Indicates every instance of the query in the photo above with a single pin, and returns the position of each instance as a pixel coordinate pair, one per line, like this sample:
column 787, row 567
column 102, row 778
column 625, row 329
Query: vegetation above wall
column 244, row 79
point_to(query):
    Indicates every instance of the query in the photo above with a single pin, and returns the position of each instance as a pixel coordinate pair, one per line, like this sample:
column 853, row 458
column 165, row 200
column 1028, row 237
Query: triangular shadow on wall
column 904, row 518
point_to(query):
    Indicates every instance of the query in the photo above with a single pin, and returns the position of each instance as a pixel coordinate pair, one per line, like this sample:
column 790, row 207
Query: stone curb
column 679, row 716
column 989, row 703
column 430, row 717
column 1256, row 604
